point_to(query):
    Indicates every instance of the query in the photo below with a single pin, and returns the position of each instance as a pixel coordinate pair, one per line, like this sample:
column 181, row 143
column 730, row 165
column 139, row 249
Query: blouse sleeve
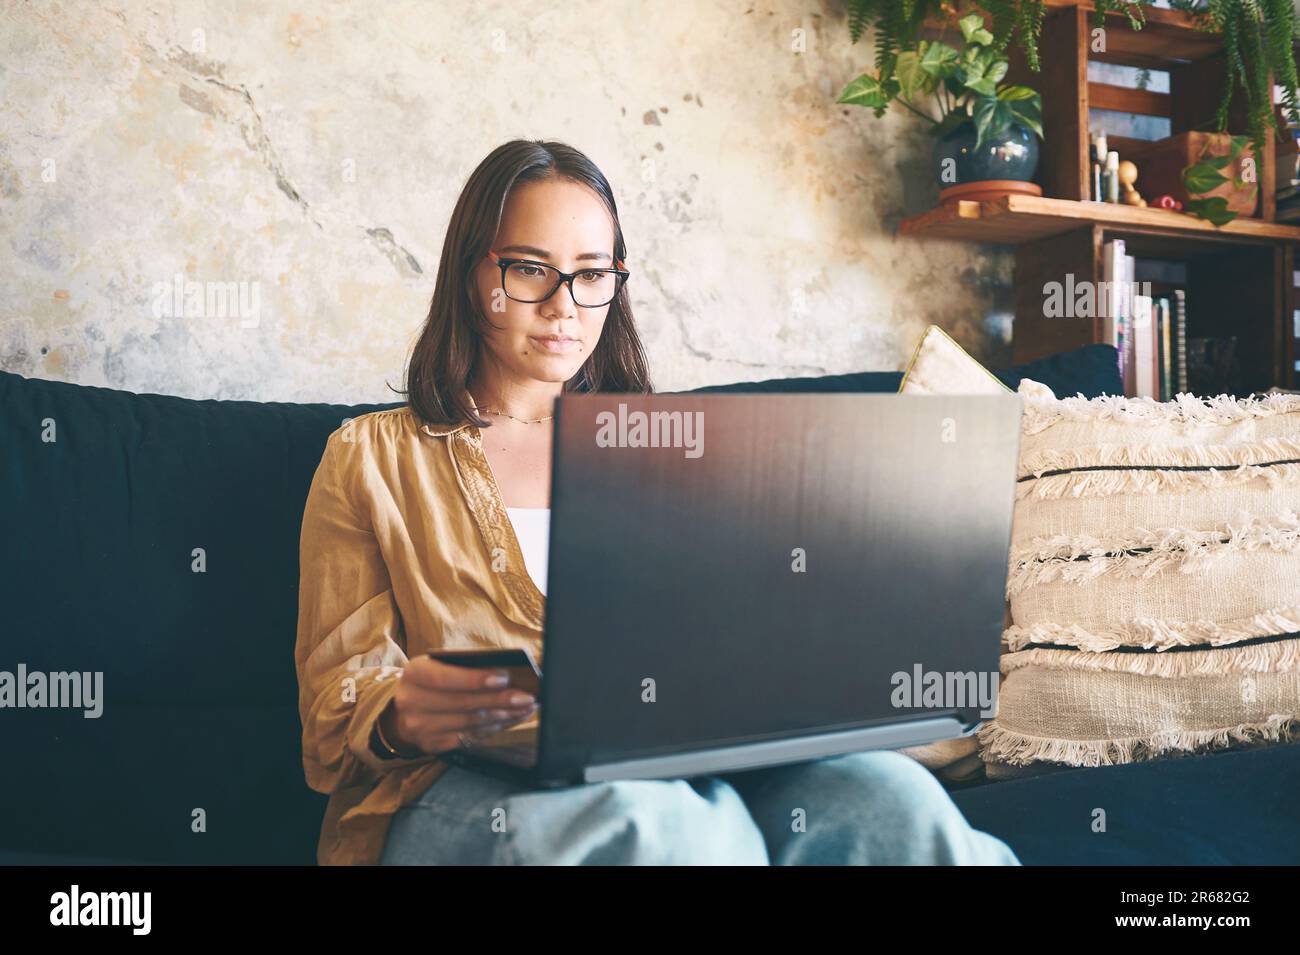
column 350, row 646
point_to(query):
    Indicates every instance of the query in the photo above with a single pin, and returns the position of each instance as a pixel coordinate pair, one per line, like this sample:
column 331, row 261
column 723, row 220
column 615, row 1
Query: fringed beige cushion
column 1154, row 580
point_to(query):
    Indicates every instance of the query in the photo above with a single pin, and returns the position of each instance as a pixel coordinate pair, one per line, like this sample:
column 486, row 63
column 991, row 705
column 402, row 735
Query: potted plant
column 1258, row 36
column 987, row 133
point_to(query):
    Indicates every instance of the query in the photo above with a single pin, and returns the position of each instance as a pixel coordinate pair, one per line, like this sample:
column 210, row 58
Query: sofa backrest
column 155, row 539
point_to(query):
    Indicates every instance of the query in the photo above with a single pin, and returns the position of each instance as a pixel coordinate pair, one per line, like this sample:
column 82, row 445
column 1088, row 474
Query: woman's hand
column 436, row 701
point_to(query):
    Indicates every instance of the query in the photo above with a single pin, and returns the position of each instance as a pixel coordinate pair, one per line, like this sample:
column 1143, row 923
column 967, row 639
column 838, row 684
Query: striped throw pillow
column 1154, row 580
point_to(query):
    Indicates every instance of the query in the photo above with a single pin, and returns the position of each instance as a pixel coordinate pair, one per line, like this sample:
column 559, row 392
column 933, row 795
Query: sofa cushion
column 1091, row 371
column 126, row 786
column 1229, row 808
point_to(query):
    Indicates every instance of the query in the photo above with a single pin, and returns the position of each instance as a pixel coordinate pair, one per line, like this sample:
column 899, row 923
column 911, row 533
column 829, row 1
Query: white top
column 533, row 529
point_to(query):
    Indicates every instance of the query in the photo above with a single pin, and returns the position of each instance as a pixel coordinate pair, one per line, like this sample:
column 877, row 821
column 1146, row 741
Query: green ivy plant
column 962, row 86
column 1206, row 175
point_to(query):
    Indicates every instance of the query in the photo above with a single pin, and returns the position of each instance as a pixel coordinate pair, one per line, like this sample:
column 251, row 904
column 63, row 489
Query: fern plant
column 1257, row 45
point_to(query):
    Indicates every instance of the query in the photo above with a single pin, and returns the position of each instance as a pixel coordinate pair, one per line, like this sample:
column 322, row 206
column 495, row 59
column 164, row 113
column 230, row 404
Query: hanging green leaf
column 1213, row 209
column 1012, row 93
column 992, row 117
column 912, row 79
column 1029, row 113
column 866, row 90
column 1202, row 177
column 939, row 60
column 972, row 30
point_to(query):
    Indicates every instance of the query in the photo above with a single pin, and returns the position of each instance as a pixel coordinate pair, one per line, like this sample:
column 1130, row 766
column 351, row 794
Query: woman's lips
column 557, row 346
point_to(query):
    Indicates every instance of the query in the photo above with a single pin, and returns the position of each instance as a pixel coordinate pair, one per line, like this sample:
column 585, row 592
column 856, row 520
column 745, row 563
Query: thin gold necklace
column 512, row 417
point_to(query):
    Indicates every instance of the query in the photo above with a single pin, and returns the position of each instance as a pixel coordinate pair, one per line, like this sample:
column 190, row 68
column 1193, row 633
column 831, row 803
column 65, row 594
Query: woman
column 425, row 529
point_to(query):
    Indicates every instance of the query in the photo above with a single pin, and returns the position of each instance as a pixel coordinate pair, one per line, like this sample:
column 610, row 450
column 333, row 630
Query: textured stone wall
column 301, row 161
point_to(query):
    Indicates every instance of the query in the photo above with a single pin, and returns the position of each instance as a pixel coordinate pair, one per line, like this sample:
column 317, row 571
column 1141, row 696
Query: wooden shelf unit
column 1169, row 41
column 1240, row 276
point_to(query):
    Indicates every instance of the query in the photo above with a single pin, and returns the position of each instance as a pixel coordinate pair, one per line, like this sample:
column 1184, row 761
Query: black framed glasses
column 527, row 280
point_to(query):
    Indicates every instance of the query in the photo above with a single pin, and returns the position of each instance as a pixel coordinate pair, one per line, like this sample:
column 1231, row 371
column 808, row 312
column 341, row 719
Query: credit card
column 519, row 664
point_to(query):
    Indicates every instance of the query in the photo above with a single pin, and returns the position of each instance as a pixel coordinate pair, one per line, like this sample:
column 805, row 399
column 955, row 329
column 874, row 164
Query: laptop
column 744, row 580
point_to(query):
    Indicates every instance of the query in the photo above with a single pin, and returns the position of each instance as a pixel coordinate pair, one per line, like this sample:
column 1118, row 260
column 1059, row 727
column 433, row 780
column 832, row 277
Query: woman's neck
column 527, row 402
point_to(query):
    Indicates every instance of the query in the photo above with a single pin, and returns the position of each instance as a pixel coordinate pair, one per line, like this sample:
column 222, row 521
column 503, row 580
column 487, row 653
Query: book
column 1158, row 324
column 1128, row 288
column 1122, row 346
column 1166, row 351
column 1144, row 348
column 1180, row 339
column 1111, row 277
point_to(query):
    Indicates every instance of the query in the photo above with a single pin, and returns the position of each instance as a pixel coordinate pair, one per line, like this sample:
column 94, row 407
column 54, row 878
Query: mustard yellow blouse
column 406, row 547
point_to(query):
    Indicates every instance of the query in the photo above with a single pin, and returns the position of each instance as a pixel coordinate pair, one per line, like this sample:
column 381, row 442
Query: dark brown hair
column 447, row 352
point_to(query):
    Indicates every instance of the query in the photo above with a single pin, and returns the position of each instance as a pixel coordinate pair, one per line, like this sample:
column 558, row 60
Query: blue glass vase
column 1011, row 155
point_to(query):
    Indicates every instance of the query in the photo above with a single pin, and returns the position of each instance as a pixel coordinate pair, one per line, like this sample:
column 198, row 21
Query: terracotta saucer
column 990, row 189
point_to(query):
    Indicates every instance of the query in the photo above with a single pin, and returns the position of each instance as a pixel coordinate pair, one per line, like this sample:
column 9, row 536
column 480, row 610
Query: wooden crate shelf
column 1166, row 35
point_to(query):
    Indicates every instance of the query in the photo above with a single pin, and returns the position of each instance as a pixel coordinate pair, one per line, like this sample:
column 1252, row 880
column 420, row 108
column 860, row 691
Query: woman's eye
column 592, row 276
column 529, row 270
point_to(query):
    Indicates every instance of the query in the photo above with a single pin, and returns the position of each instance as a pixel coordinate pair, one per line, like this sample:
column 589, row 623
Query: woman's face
column 560, row 223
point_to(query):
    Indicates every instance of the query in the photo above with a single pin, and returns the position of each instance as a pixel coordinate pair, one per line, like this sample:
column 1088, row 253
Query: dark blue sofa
column 97, row 533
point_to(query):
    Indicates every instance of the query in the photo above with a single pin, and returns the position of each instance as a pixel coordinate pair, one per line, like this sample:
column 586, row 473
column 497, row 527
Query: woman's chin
column 554, row 368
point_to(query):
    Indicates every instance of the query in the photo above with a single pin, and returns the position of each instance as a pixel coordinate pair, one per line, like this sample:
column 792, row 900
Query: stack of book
column 1149, row 331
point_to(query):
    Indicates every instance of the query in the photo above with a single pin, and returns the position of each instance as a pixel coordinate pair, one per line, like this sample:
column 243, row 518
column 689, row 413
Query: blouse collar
column 440, row 430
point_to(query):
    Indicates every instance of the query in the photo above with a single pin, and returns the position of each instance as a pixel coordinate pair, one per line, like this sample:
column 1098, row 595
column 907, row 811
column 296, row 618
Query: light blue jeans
column 872, row 808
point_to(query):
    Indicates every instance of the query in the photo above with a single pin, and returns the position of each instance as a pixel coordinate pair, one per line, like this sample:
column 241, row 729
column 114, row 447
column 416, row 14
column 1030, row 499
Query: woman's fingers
column 442, row 701
column 435, row 702
column 492, row 728
column 439, row 732
column 439, row 687
column 415, row 724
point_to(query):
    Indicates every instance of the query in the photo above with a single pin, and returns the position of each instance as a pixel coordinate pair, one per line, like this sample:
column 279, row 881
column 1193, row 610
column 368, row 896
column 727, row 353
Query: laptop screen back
column 735, row 568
